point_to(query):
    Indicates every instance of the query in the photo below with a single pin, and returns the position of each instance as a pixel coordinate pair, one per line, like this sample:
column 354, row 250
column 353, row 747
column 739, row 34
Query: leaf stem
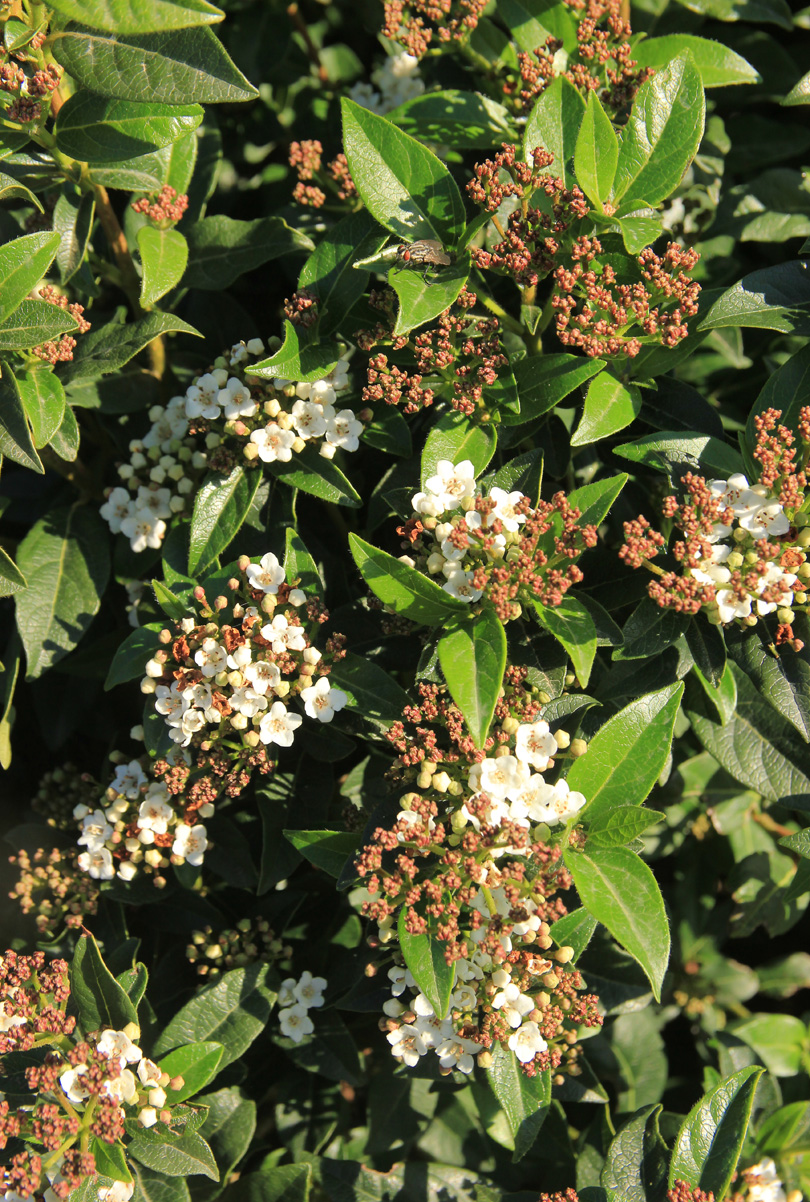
column 312, row 50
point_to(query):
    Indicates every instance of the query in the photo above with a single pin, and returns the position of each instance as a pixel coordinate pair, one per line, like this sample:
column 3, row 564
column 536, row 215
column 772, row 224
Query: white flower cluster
column 243, row 689
column 757, row 515
column 137, row 808
column 763, row 1182
column 395, row 81
column 228, row 410
column 143, row 1085
column 295, row 1000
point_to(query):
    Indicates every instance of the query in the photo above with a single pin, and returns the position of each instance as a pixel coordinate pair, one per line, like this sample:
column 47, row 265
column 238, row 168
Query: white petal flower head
column 505, row 509
column 273, row 443
column 118, row 1044
column 295, row 1023
column 309, row 990
column 730, row 606
column 211, row 657
column 286, row 992
column 122, row 1087
column 460, row 585
column 344, row 430
column 236, row 400
column 279, row 725
column 267, row 574
column 117, row 508
column 502, row 778
column 452, row 483
column 526, row 1042
column 143, row 530
column 535, row 745
column 201, row 398
column 284, row 635
column 190, row 842
column 321, row 701
column 734, row 492
column 148, row 1072
column 407, row 1045
column 263, row 676
column 513, row 1004
column 96, row 830
column 463, row 997
column 769, row 521
column 401, row 979
column 458, row 1053
column 154, row 815
column 308, row 420
column 432, row 1029
column 566, row 802
column 156, row 501
column 119, row 1191
column 128, row 779
column 247, row 701
column 71, row 1082
column 240, row 657
column 171, row 703
column 429, row 506
column 763, row 1182
column 97, row 864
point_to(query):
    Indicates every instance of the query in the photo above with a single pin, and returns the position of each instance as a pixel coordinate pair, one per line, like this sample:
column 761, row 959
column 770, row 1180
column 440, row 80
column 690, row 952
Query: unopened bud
column 564, row 955
column 578, row 747
column 562, row 739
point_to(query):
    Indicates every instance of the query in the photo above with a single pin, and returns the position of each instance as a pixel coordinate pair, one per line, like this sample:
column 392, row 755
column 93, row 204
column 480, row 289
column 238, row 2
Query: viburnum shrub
column 404, row 561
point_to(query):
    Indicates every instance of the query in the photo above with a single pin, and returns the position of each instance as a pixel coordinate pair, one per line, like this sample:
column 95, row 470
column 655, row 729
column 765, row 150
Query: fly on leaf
column 425, row 253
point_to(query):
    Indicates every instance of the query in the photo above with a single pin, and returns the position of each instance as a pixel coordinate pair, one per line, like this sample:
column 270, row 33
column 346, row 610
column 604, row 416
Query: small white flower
column 527, row 1042
column 283, row 635
column 171, row 703
column 211, row 657
column 119, row 1191
column 286, row 992
column 190, row 842
column 96, row 830
column 513, row 1004
column 407, row 1045
column 154, row 814
column 267, row 574
column 118, row 1044
column 505, row 509
column 263, row 676
column 71, row 1082
column 321, row 701
column 451, row 483
column 156, row 501
column 730, row 606
column 128, row 779
column 278, row 725
column 273, row 443
column 458, row 1053
column 343, row 430
column 201, row 398
column 148, row 1072
column 240, row 658
column 309, row 990
column 97, row 864
column 767, row 522
column 247, row 701
column 295, row 1023
column 117, row 508
column 535, row 745
column 460, row 585
column 122, row 1087
column 401, row 979
column 500, row 778
column 236, row 400
column 143, row 530
column 308, row 419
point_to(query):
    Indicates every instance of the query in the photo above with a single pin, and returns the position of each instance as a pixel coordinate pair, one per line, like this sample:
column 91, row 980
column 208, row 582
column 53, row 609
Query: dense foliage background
column 404, row 415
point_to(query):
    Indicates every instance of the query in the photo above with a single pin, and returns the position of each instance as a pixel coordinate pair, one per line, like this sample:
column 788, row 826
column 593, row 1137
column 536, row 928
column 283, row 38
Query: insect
column 425, row 253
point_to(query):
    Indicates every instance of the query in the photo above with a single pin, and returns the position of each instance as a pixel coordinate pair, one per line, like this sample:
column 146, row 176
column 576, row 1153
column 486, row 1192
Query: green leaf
column 545, row 380
column 172, row 605
column 174, row 1155
column 455, row 438
column 66, row 561
column 370, row 689
column 12, row 189
column 112, row 345
column 610, row 405
column 524, row 1100
column 33, row 322
column 73, row 220
column 97, row 129
column 65, row 442
column 678, row 453
column 43, row 399
column 574, row 930
column 596, row 153
column 164, row 255
column 573, row 627
column 330, row 270
column 220, row 249
column 616, row 828
column 718, row 65
column 196, row 1063
column 402, row 183
column 627, row 755
column 619, row 890
column 757, row 746
column 328, row 850
column 389, row 432
column 300, row 568
column 453, row 118
column 531, row 21
column 768, row 12
column 23, row 263
column 424, row 957
column 182, row 66
column 473, row 660
column 710, row 1140
column 101, row 1002
column 15, row 436
column 220, row 508
column 273, row 1183
column 662, row 134
column 310, row 472
column 595, row 500
column 299, row 358
column 639, row 228
column 779, row 1041
column 650, row 630
column 423, row 297
column 800, row 93
column 233, row 1012
column 139, row 16
column 554, row 124
column 773, row 298
column 11, row 578
column 635, row 1168
column 407, row 591
column 229, row 1127
column 784, row 679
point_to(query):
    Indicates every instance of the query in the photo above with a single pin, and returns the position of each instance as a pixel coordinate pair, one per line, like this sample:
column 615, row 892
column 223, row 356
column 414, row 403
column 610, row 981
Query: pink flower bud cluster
column 306, row 158
column 60, row 350
column 164, row 208
column 415, row 23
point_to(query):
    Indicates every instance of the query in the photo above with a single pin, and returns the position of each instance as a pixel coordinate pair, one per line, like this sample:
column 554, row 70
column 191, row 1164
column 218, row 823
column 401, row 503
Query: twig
column 312, row 50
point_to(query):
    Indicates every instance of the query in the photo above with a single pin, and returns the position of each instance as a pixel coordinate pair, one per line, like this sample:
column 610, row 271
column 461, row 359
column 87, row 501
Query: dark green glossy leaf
column 23, row 263
column 423, row 297
column 525, row 1100
column 718, row 65
column 328, row 850
column 220, row 248
column 572, row 625
column 97, row 129
column 220, row 508
column 596, row 153
column 139, row 16
column 73, row 221
column 111, row 346
column 424, row 957
column 32, row 323
column 196, row 1063
column 554, row 124
column 43, row 399
column 164, row 255
column 407, row 591
column 545, row 380
column 100, row 1000
column 710, row 1140
column 455, row 438
column 610, row 405
column 233, row 1012
column 473, row 659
